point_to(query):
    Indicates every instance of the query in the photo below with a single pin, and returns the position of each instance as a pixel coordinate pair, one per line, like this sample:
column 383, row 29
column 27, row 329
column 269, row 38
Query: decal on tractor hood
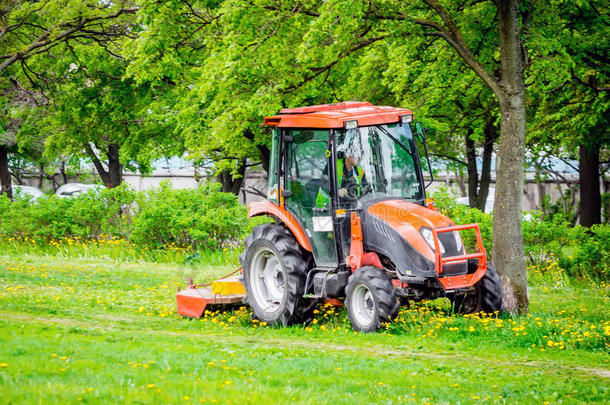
column 407, row 218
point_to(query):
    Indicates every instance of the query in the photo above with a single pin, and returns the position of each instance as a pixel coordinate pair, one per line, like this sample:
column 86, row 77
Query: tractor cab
column 321, row 175
column 347, row 191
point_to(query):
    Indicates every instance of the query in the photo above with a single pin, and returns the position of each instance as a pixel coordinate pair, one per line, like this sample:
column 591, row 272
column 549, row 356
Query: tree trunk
column 41, row 176
column 231, row 183
column 5, row 175
column 507, row 253
column 62, row 171
column 263, row 150
column 115, row 168
column 488, row 148
column 541, row 190
column 471, row 167
column 478, row 190
column 590, row 195
column 114, row 176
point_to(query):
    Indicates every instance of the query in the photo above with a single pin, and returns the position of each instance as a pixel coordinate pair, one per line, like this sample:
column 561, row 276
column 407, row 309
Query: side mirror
column 420, row 132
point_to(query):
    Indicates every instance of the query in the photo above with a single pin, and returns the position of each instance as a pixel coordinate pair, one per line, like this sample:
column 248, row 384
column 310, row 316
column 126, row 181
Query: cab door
column 306, row 168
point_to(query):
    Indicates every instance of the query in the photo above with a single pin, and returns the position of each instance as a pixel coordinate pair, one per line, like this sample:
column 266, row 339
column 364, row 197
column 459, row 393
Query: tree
column 15, row 103
column 31, row 28
column 94, row 112
column 459, row 110
column 571, row 92
column 74, row 55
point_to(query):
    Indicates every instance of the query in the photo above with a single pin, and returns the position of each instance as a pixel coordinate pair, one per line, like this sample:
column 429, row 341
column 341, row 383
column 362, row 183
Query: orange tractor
column 347, row 192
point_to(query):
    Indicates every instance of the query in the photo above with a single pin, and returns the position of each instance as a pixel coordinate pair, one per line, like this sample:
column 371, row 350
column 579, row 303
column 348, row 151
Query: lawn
column 103, row 330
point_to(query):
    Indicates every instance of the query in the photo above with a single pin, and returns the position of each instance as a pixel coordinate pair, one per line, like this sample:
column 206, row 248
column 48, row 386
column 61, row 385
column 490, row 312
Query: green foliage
column 202, row 218
column 181, row 220
column 462, row 215
column 579, row 251
column 87, row 216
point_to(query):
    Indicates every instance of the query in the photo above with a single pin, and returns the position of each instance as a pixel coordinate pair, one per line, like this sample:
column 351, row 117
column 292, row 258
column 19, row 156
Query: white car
column 28, row 191
column 74, row 189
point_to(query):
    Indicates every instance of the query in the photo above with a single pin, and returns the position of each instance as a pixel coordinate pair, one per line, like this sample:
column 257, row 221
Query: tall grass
column 116, row 249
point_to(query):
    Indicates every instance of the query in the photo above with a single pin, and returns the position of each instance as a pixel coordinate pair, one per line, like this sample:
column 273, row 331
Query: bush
column 86, row 216
column 201, row 218
column 578, row 251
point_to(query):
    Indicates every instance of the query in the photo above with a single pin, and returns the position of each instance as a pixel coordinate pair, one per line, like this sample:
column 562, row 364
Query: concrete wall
column 255, row 183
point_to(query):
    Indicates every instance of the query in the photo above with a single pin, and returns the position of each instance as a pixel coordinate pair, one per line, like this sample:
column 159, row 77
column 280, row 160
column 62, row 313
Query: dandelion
column 3, row 365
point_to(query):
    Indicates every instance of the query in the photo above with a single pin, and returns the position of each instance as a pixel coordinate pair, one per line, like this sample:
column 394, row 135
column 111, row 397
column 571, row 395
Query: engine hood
column 406, row 219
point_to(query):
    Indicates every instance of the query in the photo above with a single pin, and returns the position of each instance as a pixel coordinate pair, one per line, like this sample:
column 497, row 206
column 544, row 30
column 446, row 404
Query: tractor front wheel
column 486, row 297
column 370, row 299
column 274, row 269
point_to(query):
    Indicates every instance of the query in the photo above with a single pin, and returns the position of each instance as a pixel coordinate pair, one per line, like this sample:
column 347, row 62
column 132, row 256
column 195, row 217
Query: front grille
column 451, row 249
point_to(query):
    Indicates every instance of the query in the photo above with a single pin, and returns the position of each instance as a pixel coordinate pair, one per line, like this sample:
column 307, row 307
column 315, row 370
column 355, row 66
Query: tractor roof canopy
column 335, row 115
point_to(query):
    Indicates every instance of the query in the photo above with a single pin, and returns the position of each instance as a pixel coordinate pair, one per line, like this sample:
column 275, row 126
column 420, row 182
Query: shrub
column 201, row 218
column 579, row 251
column 84, row 216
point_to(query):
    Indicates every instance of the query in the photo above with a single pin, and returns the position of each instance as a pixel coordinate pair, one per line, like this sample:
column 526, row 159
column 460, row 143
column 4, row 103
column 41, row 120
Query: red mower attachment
column 193, row 300
column 466, row 280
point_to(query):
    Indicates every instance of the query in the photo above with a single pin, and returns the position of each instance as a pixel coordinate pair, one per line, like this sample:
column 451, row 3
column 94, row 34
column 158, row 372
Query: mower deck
column 193, row 301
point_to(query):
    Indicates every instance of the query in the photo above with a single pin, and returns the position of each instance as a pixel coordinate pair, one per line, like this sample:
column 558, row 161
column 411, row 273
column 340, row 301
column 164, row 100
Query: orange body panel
column 406, row 218
column 335, row 115
column 357, row 257
column 274, row 210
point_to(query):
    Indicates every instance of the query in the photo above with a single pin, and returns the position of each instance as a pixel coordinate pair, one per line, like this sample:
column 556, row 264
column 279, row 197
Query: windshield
column 378, row 161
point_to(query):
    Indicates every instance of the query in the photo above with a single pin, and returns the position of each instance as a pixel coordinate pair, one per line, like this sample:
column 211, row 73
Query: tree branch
column 453, row 36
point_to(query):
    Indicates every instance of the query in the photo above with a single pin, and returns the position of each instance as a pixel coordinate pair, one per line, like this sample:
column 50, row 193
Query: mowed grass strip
column 53, row 363
column 113, row 330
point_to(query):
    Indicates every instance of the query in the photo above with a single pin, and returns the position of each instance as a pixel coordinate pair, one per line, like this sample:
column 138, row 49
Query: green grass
column 105, row 330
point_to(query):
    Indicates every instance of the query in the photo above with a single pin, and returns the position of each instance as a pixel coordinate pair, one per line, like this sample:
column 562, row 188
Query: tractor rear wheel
column 370, row 299
column 275, row 268
column 486, row 297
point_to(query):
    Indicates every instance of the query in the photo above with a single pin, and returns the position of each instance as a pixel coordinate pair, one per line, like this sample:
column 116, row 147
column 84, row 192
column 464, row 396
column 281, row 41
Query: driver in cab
column 350, row 176
column 350, row 181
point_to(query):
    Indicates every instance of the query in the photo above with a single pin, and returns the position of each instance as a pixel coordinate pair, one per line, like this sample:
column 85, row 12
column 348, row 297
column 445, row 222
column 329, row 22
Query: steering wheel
column 356, row 191
column 352, row 192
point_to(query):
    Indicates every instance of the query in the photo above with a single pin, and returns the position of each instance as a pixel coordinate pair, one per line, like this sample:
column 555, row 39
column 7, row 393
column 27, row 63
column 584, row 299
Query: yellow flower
column 3, row 365
column 150, row 386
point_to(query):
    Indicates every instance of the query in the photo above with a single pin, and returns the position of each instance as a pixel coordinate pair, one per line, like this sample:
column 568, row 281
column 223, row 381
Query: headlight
column 427, row 235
